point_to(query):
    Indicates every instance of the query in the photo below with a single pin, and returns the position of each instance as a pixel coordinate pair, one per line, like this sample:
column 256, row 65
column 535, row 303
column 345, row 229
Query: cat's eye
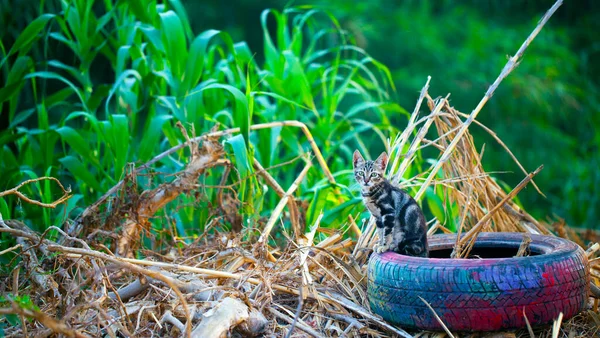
column 359, row 174
column 374, row 174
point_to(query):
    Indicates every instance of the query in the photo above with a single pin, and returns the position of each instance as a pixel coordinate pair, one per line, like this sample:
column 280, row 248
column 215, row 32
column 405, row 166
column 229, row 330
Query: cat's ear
column 382, row 161
column 357, row 159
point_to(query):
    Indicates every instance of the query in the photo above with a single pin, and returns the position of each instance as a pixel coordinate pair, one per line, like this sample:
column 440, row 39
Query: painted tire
column 481, row 294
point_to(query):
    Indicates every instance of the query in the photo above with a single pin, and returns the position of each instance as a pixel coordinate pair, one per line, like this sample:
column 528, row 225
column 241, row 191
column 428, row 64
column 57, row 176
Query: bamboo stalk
column 329, row 241
column 271, row 182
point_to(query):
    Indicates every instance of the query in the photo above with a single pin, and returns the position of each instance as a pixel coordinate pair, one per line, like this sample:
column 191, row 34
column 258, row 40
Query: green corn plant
column 137, row 69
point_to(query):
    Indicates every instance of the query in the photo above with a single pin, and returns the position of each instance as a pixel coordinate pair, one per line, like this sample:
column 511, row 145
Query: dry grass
column 303, row 288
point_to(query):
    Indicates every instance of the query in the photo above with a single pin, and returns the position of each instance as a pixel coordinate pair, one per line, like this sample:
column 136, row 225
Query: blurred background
column 547, row 111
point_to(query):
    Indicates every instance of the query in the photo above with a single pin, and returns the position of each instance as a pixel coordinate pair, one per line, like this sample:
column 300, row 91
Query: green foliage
column 22, row 301
column 92, row 88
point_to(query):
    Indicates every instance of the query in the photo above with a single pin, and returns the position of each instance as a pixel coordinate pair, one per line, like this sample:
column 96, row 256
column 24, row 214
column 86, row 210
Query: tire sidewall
column 480, row 294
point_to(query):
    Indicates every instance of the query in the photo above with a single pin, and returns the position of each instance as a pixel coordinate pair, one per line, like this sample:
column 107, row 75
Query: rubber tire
column 480, row 294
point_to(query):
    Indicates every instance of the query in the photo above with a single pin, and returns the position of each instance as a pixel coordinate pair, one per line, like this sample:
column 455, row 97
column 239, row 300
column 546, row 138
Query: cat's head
column 369, row 173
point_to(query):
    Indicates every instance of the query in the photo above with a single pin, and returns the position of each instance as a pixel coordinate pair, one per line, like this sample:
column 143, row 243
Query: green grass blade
column 78, row 144
column 54, row 76
column 174, row 39
column 241, row 114
column 80, row 172
column 151, row 137
column 29, row 34
column 197, row 55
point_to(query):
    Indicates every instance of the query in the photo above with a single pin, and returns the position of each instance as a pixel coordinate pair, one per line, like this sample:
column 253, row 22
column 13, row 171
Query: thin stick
column 271, row 182
column 524, row 245
column 408, row 158
column 337, row 298
column 512, row 63
column 438, row 318
column 262, row 240
column 503, row 145
column 15, row 191
column 47, row 321
column 12, row 248
column 292, row 206
column 298, row 312
column 592, row 250
column 529, row 328
column 556, row 325
column 354, row 226
column 306, row 241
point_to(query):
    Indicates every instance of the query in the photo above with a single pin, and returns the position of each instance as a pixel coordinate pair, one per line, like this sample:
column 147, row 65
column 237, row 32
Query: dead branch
column 151, row 201
column 76, row 226
column 292, row 205
column 129, row 291
column 352, row 322
column 168, row 318
column 15, row 191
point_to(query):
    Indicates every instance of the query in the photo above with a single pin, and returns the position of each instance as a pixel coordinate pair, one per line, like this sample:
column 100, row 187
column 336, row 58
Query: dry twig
column 15, row 191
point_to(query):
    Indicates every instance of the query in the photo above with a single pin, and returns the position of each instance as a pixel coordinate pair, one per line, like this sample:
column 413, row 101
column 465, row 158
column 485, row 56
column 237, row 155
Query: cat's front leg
column 384, row 230
column 380, row 247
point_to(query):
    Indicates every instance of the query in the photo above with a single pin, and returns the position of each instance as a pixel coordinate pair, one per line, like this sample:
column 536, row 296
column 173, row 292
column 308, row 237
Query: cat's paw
column 378, row 248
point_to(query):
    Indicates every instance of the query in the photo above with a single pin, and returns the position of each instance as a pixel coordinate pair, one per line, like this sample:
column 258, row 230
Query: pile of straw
column 220, row 284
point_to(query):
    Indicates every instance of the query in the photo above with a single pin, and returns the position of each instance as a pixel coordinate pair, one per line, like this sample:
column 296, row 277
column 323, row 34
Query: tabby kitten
column 400, row 222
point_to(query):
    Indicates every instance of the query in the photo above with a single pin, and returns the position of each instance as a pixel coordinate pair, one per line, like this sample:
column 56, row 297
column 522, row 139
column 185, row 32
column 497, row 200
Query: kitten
column 400, row 222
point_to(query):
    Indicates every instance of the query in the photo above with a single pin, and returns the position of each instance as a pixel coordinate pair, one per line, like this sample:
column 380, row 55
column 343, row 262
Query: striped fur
column 400, row 222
